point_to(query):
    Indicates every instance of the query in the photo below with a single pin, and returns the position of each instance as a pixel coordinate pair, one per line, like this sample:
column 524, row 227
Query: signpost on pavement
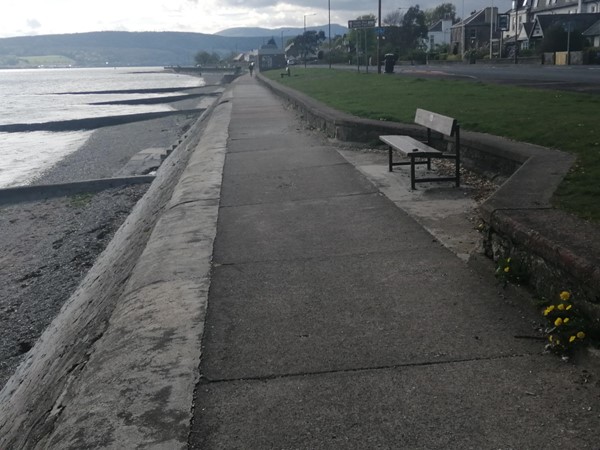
column 361, row 24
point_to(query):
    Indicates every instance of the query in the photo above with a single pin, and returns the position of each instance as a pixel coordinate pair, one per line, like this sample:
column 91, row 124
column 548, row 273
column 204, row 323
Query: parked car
column 291, row 62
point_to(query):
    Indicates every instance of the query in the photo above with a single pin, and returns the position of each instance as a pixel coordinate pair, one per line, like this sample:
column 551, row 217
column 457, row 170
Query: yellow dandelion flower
column 557, row 342
column 548, row 310
column 508, row 260
column 572, row 338
column 566, row 320
column 569, row 307
column 565, row 295
column 507, row 269
column 558, row 322
column 580, row 335
column 561, row 306
column 550, row 338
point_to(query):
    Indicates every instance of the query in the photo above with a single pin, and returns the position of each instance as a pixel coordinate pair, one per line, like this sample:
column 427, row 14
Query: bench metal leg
column 390, row 158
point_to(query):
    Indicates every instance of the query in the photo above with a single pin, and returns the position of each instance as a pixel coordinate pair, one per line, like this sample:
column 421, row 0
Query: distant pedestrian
column 251, row 67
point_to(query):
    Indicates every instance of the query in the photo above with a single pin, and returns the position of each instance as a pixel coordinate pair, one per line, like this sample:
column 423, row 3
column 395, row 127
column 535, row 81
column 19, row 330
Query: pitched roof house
column 473, row 33
column 439, row 34
column 523, row 15
column 573, row 22
column 593, row 34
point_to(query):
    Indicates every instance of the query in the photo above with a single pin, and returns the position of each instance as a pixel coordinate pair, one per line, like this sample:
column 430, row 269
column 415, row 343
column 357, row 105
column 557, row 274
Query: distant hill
column 274, row 32
column 117, row 48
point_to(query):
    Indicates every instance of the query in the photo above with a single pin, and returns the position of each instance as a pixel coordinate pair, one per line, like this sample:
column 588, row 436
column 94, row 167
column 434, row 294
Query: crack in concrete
column 353, row 194
column 329, row 257
column 211, row 199
column 205, row 381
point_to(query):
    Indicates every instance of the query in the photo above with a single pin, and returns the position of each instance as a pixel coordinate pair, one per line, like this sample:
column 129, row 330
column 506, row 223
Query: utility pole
column 378, row 36
column 491, row 30
column 516, row 28
column 329, row 15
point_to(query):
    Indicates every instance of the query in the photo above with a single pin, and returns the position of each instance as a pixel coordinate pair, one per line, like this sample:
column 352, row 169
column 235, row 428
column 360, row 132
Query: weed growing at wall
column 565, row 325
column 511, row 270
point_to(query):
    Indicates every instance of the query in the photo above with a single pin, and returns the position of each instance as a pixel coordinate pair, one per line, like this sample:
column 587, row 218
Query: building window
column 593, row 8
column 536, row 4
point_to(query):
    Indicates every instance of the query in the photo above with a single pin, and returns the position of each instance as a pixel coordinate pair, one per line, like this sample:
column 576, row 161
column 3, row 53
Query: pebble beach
column 48, row 246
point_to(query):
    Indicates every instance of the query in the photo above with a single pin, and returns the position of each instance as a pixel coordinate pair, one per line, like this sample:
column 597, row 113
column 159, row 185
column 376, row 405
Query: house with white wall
column 439, row 34
column 525, row 12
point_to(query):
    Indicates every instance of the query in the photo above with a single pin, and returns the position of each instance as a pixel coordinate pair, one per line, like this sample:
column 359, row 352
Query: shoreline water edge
column 48, row 245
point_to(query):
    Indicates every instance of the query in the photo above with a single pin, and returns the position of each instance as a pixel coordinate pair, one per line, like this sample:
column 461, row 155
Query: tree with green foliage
column 339, row 50
column 443, row 11
column 307, row 43
column 393, row 19
column 405, row 33
column 413, row 27
column 204, row 58
column 556, row 37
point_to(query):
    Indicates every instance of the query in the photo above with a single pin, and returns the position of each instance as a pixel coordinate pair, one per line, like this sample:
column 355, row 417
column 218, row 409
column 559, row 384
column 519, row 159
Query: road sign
column 503, row 22
column 361, row 23
column 380, row 31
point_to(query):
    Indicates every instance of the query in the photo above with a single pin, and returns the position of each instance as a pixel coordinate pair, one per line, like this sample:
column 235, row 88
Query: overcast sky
column 31, row 17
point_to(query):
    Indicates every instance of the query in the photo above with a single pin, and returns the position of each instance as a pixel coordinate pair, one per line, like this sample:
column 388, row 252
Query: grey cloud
column 340, row 5
column 34, row 24
column 362, row 6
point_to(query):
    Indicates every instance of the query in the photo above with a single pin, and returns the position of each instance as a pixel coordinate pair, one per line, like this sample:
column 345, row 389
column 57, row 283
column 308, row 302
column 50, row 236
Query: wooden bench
column 422, row 152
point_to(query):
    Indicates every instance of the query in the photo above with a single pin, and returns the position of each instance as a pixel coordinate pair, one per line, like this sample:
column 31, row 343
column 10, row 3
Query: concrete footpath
column 266, row 294
column 336, row 321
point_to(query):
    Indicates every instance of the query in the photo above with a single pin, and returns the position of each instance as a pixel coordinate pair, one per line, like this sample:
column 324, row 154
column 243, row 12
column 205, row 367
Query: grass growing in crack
column 81, row 200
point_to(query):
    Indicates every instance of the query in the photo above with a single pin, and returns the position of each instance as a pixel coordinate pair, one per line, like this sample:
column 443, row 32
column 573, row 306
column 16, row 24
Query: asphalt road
column 572, row 78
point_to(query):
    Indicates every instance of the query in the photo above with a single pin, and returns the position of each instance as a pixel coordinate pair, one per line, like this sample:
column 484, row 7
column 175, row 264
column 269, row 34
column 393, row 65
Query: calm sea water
column 38, row 95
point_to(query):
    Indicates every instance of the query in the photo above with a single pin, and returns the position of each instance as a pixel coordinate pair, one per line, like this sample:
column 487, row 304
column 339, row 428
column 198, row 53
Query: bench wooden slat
column 435, row 121
column 408, row 145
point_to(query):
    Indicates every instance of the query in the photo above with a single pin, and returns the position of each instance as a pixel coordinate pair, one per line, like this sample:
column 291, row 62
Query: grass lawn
column 563, row 120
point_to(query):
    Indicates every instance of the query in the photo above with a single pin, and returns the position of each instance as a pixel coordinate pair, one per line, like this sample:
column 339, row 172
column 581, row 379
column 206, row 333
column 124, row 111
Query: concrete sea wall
column 134, row 322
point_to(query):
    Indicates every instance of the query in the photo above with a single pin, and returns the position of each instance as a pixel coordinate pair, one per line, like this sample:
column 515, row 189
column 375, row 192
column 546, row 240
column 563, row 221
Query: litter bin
column 390, row 60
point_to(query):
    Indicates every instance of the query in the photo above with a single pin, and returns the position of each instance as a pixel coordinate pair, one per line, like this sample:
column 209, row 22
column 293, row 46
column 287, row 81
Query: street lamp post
column 304, row 36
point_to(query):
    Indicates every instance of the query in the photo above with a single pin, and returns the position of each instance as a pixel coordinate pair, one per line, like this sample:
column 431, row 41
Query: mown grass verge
column 563, row 120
